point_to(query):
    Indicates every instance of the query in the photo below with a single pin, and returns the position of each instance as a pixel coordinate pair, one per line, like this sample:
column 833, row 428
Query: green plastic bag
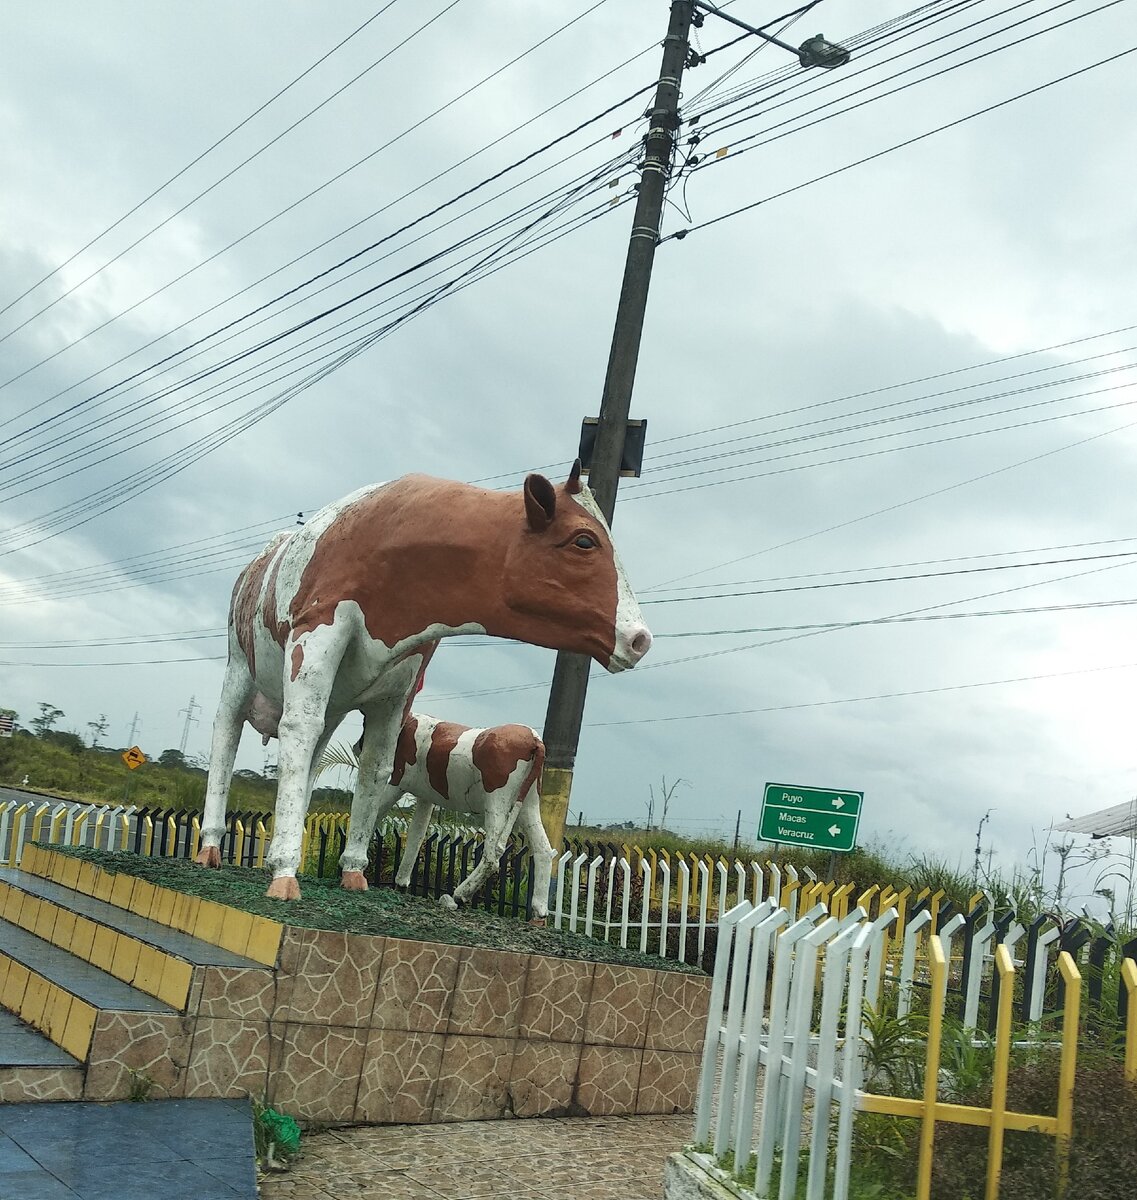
column 282, row 1130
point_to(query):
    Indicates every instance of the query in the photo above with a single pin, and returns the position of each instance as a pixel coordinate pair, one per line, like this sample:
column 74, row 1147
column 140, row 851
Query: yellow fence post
column 1129, row 978
column 262, row 842
column 1006, row 970
column 195, row 836
column 865, row 899
column 1071, row 1010
column 932, row 1066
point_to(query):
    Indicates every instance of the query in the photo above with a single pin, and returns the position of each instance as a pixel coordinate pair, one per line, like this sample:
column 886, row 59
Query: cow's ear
column 540, row 502
column 573, row 484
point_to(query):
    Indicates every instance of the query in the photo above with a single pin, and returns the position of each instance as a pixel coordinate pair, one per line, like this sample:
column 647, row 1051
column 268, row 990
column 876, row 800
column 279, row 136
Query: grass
column 382, row 911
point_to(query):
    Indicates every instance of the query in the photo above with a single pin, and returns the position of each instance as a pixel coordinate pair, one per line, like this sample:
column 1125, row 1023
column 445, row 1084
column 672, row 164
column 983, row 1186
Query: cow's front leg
column 374, row 795
column 236, row 691
column 305, row 725
column 369, row 806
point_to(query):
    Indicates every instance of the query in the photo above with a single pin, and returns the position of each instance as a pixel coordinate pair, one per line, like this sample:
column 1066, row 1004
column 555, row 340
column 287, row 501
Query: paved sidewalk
column 160, row 1150
column 590, row 1158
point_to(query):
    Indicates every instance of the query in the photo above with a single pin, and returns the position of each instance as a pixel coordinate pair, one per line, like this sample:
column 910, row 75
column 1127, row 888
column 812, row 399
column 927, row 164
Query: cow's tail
column 533, row 779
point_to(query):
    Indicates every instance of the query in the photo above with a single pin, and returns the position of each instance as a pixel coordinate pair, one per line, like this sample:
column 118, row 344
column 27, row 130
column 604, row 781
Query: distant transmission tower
column 191, row 719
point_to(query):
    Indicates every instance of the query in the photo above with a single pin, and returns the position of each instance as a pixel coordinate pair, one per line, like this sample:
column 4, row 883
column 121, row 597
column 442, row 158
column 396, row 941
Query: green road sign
column 813, row 817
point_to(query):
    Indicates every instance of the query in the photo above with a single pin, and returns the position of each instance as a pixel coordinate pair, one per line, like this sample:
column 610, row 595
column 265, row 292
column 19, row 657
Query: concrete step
column 127, row 981
column 59, row 994
column 32, row 1068
column 137, row 950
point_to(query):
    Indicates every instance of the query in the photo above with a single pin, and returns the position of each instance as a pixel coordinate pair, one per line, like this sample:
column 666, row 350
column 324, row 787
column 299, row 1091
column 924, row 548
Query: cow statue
column 344, row 613
column 493, row 774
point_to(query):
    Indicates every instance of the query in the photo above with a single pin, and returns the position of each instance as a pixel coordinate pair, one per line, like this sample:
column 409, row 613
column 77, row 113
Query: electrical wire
column 228, row 175
column 905, row 695
column 194, row 161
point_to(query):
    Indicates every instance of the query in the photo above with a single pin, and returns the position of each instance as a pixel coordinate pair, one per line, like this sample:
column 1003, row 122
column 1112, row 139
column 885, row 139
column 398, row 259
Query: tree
column 172, row 758
column 45, row 722
column 98, row 729
column 666, row 794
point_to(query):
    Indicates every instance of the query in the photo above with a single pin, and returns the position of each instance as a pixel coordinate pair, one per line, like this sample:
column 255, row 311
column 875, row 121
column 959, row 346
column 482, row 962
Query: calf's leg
column 499, row 815
column 531, row 826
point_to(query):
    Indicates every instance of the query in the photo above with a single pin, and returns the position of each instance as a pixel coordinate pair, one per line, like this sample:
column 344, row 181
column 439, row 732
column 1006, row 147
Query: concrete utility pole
column 570, row 678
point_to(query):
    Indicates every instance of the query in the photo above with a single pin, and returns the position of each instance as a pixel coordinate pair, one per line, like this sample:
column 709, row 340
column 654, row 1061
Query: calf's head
column 563, row 582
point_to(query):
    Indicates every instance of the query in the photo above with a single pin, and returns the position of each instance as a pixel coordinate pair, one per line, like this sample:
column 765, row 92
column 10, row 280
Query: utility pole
column 570, row 677
column 133, row 731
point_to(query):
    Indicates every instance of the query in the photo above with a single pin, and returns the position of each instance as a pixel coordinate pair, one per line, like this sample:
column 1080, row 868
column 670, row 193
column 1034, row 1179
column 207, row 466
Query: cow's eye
column 585, row 541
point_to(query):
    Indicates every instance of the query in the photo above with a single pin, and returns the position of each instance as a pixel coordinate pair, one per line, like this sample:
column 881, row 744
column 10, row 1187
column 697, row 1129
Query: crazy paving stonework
column 342, row 1028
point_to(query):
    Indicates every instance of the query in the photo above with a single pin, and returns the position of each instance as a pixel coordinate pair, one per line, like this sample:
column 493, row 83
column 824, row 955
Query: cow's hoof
column 353, row 881
column 284, row 887
column 209, row 856
column 449, row 903
column 537, row 922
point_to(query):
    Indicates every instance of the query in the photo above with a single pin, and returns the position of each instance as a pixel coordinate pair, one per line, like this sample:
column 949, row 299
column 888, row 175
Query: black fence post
column 1031, row 963
column 971, row 923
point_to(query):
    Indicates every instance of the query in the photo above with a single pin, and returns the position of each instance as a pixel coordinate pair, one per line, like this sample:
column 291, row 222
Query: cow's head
column 564, row 582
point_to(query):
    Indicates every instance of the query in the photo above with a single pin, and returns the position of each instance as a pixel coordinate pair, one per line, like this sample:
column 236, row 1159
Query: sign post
column 820, row 819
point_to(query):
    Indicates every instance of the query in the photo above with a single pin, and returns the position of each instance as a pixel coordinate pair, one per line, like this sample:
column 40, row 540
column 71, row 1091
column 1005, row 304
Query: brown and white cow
column 493, row 774
column 344, row 613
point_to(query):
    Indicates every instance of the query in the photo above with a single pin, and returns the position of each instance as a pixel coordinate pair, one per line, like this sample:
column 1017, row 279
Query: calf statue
column 493, row 774
column 344, row 613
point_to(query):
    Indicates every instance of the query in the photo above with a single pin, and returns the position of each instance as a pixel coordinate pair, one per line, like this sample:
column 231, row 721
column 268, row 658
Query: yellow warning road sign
column 133, row 757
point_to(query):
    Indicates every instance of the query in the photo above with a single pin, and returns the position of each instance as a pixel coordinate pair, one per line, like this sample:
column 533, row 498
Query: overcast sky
column 898, row 340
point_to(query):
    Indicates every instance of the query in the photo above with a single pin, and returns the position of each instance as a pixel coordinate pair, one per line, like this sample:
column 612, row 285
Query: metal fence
column 644, row 899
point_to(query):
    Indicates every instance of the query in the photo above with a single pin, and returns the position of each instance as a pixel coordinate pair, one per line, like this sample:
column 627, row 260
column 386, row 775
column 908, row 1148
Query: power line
column 809, row 587
column 901, row 145
column 952, row 616
column 315, row 191
column 929, row 691
column 228, row 175
column 194, row 161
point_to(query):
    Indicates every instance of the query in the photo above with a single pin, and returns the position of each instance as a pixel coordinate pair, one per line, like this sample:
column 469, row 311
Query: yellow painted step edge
column 232, row 929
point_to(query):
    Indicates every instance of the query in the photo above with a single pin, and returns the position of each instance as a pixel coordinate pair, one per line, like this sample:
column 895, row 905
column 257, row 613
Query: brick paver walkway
column 590, row 1158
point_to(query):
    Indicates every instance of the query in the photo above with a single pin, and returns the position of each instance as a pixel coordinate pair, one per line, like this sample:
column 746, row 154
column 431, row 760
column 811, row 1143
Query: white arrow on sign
column 834, row 830
column 838, row 803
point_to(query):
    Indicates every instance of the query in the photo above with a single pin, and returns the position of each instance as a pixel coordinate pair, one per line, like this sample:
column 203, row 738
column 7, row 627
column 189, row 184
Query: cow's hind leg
column 530, row 824
column 500, row 814
column 416, row 835
column 236, row 692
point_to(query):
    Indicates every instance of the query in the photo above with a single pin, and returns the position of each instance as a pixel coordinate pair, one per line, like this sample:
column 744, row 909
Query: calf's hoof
column 209, row 856
column 537, row 922
column 284, row 887
column 353, row 881
column 448, row 903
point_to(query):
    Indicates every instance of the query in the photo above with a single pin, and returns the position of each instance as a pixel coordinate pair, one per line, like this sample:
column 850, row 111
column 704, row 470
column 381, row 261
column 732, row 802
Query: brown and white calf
column 493, row 774
column 344, row 613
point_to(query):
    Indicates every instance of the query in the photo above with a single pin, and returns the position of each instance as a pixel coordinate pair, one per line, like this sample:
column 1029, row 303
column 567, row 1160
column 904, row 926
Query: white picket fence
column 771, row 1054
column 61, row 822
column 686, row 899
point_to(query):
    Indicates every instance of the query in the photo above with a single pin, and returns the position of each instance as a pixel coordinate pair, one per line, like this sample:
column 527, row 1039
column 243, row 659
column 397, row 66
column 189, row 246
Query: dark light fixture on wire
column 813, row 52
